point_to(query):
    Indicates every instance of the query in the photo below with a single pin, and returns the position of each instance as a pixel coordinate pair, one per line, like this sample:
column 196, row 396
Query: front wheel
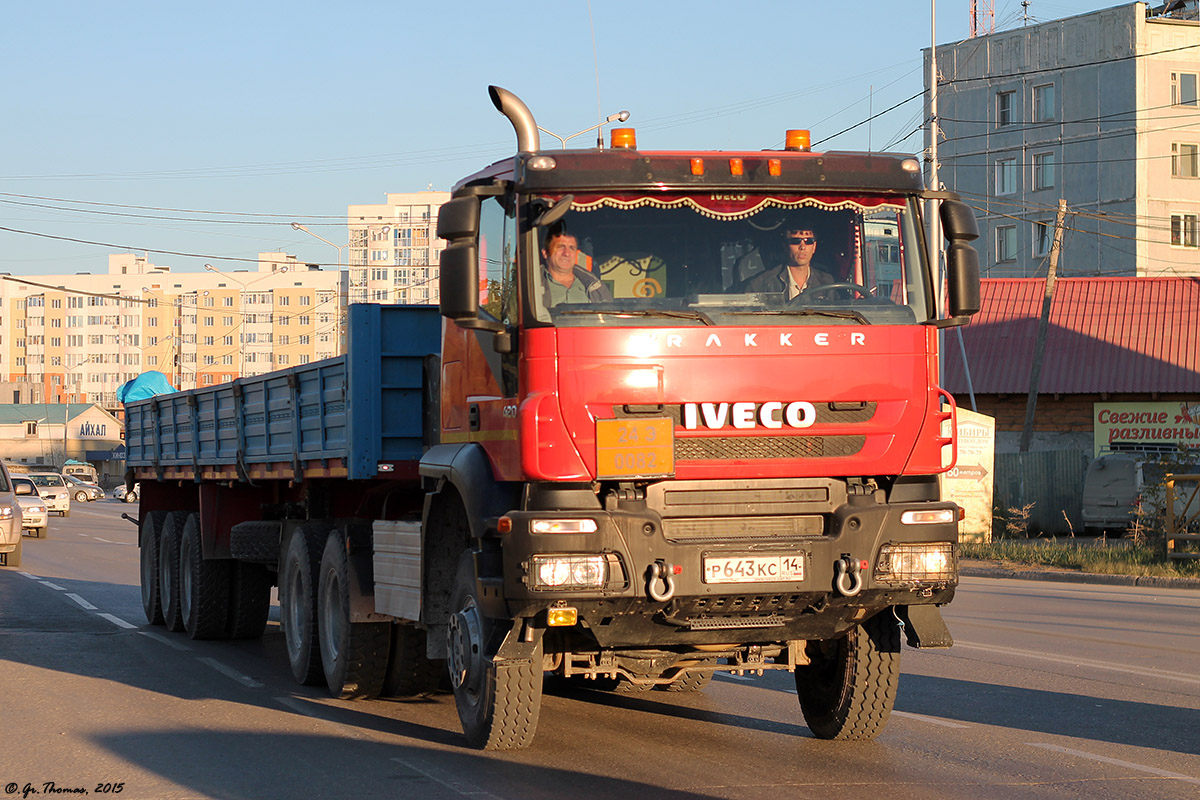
column 498, row 700
column 848, row 689
column 81, row 497
column 130, row 497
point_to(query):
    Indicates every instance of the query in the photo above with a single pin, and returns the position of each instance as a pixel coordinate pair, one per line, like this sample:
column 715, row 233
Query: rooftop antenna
column 596, row 66
column 1025, row 4
column 983, row 17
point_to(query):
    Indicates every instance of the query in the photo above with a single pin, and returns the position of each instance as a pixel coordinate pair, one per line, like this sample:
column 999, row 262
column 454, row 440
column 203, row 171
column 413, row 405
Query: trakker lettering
column 819, row 338
column 775, row 415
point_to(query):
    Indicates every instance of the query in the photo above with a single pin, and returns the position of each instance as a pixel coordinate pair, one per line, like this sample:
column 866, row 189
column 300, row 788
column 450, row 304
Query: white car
column 10, row 522
column 119, row 493
column 34, row 517
column 54, row 490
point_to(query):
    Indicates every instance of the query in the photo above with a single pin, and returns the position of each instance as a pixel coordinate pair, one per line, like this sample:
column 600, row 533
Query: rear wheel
column 410, row 672
column 688, row 682
column 298, row 579
column 130, row 497
column 498, row 701
column 203, row 586
column 151, row 534
column 354, row 654
column 848, row 690
column 168, row 569
column 249, row 600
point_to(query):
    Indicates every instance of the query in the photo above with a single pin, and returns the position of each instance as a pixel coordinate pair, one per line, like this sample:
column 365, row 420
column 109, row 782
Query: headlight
column 6, row 512
column 569, row 572
column 926, row 562
column 563, row 526
column 37, row 509
column 933, row 517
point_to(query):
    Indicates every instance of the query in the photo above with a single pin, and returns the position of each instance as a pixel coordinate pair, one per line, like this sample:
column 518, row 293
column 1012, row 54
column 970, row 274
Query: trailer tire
column 168, row 569
column 498, row 703
column 688, row 682
column 410, row 672
column 298, row 577
column 151, row 537
column 255, row 541
column 848, row 689
column 203, row 586
column 354, row 655
column 249, row 600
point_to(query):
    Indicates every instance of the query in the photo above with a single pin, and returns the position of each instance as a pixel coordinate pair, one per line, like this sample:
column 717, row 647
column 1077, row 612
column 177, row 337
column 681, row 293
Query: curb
column 1078, row 577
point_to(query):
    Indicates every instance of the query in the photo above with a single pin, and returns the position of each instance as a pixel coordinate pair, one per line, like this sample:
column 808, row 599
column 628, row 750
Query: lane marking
column 53, row 585
column 930, row 720
column 120, row 623
column 1082, row 662
column 448, row 780
column 28, row 575
column 1116, row 762
column 83, row 603
column 108, row 541
column 230, row 672
column 167, row 640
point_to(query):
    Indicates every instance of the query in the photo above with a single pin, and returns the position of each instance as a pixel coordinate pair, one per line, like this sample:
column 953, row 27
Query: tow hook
column 848, row 581
column 664, row 572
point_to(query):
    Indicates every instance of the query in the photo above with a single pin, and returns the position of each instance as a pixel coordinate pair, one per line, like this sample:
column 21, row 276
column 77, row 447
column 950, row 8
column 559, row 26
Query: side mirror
column 458, row 279
column 962, row 262
column 459, row 218
column 22, row 488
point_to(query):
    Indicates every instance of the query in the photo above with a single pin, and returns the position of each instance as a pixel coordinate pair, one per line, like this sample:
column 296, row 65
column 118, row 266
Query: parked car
column 34, row 517
column 54, row 490
column 119, row 493
column 10, row 522
column 82, row 491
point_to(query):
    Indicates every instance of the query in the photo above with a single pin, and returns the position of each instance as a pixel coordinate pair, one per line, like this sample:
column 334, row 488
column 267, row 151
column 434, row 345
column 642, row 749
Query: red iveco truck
column 702, row 466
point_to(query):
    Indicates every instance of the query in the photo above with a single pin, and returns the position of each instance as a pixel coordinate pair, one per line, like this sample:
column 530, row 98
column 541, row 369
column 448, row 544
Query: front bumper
column 57, row 501
column 34, row 520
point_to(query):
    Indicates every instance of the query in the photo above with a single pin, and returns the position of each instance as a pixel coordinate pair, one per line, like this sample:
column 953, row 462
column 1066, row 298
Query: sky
column 196, row 133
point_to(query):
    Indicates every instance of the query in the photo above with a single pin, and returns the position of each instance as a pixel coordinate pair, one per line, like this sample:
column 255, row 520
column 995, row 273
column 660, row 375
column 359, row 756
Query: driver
column 563, row 281
column 798, row 273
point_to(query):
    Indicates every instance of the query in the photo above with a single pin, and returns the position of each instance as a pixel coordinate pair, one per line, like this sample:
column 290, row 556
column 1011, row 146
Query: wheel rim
column 466, row 648
column 295, row 617
column 185, row 578
column 332, row 620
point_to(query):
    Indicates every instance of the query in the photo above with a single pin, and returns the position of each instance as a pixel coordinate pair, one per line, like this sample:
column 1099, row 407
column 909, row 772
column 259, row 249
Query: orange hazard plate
column 635, row 448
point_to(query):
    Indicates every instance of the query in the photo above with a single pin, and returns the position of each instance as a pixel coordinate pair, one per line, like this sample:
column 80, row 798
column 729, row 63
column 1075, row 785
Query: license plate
column 754, row 569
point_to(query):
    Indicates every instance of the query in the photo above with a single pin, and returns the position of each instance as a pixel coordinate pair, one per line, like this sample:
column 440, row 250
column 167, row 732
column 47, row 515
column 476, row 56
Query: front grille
column 722, row 448
column 730, row 529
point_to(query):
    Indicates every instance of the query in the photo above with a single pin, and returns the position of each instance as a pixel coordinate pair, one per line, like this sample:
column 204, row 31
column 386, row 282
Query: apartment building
column 1101, row 110
column 394, row 249
column 77, row 338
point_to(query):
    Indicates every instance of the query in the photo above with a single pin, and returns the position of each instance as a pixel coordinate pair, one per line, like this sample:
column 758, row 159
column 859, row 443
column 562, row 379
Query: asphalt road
column 1052, row 691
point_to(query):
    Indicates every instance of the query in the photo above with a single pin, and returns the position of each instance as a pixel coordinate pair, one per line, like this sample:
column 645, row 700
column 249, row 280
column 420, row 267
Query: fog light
column 564, row 617
column 569, row 572
column 926, row 562
column 563, row 526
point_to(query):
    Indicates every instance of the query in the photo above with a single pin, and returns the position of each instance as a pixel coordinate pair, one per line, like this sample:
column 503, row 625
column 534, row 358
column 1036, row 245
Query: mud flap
column 924, row 627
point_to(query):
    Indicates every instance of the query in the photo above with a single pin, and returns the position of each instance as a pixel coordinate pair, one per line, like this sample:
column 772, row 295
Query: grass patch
column 1104, row 556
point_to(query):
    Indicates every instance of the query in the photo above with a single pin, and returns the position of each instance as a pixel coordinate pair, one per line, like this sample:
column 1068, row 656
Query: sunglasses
column 801, row 239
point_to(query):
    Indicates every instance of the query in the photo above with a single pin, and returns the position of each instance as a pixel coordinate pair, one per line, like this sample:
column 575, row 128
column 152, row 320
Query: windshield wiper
column 645, row 312
column 807, row 312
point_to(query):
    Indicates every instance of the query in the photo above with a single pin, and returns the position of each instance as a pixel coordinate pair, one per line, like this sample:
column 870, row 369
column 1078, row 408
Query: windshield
column 731, row 259
column 47, row 480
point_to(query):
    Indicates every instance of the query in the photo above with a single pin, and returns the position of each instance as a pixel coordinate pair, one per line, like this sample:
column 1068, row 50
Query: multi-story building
column 394, row 249
column 1101, row 110
column 77, row 338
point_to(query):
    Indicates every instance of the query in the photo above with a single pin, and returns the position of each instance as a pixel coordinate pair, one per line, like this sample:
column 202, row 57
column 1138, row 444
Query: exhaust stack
column 508, row 104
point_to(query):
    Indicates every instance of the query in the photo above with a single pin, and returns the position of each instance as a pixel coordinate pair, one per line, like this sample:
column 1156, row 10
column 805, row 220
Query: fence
column 1051, row 480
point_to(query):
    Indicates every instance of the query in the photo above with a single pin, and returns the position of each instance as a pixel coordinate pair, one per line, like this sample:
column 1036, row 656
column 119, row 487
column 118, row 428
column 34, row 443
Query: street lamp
column 342, row 277
column 620, row 116
column 242, row 308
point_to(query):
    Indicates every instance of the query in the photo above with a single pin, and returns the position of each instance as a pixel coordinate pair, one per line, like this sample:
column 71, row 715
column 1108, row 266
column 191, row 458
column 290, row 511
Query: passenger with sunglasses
column 798, row 272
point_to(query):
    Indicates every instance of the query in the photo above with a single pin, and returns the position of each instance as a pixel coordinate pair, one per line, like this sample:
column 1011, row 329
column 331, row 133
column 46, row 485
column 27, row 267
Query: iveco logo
column 748, row 415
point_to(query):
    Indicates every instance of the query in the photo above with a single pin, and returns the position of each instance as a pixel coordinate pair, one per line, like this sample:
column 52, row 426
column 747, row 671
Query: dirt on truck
column 678, row 413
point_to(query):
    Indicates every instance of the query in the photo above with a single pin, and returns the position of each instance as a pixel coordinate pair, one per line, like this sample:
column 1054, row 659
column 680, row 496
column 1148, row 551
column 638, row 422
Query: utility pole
column 1039, row 348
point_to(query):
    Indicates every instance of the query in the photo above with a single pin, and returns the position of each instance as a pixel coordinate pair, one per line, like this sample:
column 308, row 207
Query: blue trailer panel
column 361, row 408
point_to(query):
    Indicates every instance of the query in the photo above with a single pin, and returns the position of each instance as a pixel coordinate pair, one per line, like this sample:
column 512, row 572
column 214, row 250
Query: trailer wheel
column 151, row 536
column 168, row 569
column 298, row 602
column 410, row 672
column 498, row 702
column 848, row 690
column 354, row 654
column 688, row 682
column 249, row 600
column 203, row 586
